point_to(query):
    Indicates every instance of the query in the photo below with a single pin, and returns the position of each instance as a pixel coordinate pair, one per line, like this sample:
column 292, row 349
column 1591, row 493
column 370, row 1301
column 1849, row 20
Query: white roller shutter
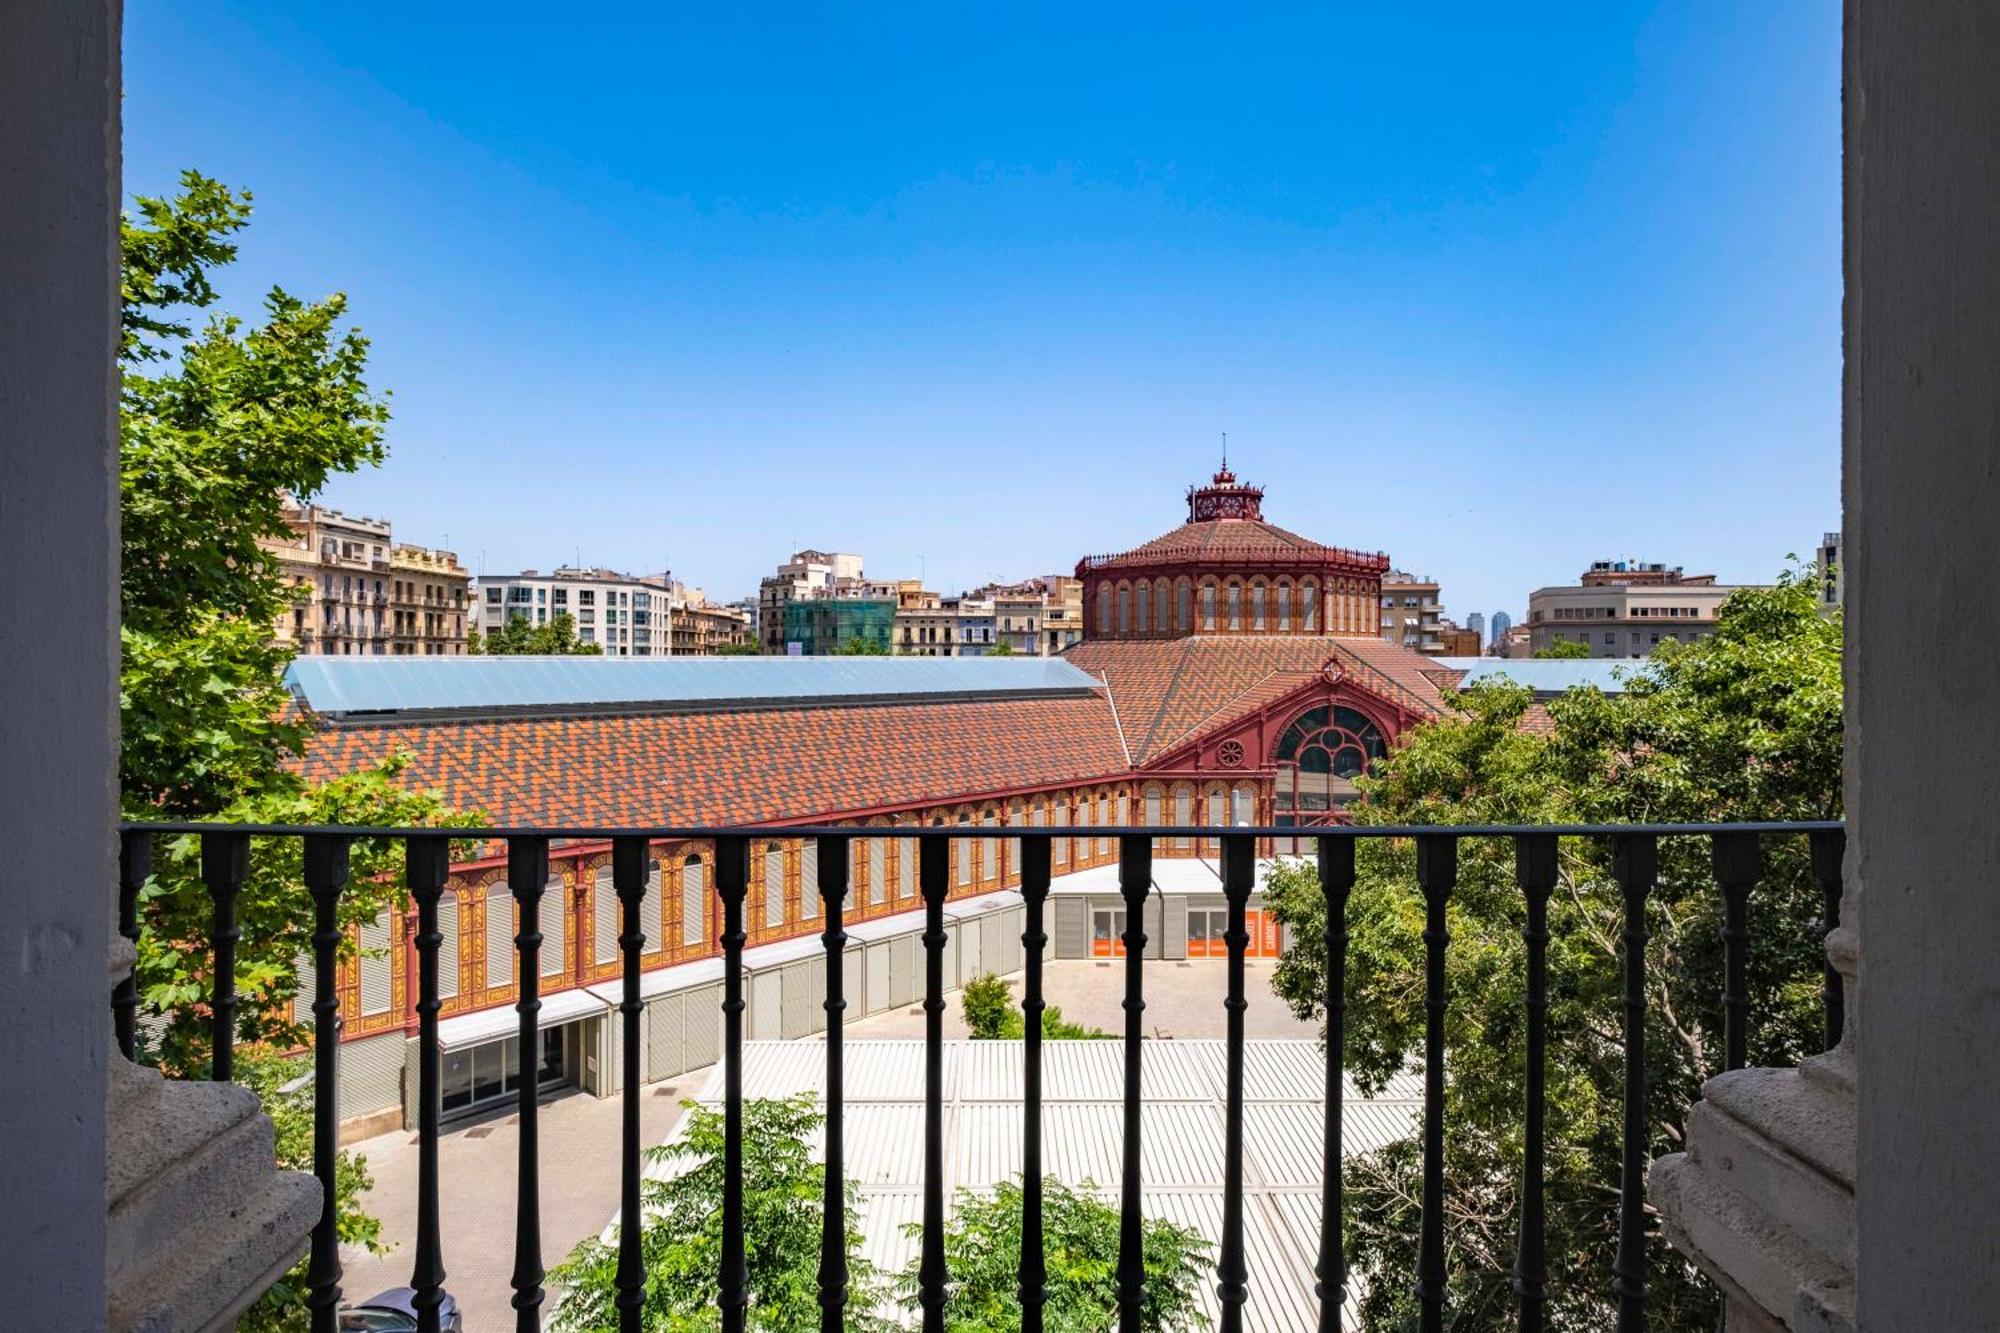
column 774, row 885
column 878, row 870
column 448, row 946
column 376, row 967
column 809, row 879
column 499, row 936
column 604, row 905
column 694, row 901
column 906, row 867
column 555, row 939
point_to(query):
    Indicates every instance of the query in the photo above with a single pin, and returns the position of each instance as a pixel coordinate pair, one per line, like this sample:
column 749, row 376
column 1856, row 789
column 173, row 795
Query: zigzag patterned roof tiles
column 743, row 767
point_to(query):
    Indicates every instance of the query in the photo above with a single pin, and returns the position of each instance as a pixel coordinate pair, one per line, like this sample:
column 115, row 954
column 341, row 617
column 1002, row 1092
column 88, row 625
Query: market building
column 1238, row 677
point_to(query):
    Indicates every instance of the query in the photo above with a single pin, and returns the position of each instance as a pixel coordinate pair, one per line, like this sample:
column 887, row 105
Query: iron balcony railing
column 1736, row 858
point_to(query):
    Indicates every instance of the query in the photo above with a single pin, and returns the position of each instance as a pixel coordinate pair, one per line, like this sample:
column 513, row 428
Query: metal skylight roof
column 1549, row 675
column 376, row 687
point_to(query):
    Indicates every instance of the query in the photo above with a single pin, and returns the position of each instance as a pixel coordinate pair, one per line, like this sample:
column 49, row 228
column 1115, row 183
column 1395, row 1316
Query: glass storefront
column 477, row 1075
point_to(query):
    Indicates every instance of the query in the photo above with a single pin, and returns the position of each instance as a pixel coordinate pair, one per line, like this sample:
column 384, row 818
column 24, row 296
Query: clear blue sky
column 1494, row 291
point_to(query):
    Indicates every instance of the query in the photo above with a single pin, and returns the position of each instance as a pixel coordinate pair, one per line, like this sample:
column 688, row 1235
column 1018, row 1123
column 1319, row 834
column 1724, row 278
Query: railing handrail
column 666, row 832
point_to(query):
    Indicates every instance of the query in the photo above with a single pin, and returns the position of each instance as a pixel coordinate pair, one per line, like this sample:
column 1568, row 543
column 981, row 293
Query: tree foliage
column 862, row 645
column 990, row 1013
column 982, row 1251
column 219, row 420
column 1564, row 648
column 558, row 638
column 681, row 1234
column 1744, row 725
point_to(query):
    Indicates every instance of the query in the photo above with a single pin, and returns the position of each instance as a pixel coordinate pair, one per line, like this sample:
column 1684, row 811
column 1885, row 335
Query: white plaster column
column 1862, row 1190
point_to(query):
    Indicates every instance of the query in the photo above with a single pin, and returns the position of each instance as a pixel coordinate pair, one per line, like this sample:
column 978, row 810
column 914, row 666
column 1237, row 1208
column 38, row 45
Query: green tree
column 1743, row 725
column 681, row 1235
column 1001, row 649
column 982, row 1248
column 1564, row 648
column 218, row 421
column 747, row 648
column 862, row 645
column 990, row 1012
column 558, row 638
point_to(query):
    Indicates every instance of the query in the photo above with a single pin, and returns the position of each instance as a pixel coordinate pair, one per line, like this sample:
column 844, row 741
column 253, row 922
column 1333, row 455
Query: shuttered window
column 1246, row 806
column 878, row 870
column 906, row 868
column 989, row 849
column 963, row 849
column 1104, row 817
column 694, row 901
column 1153, row 808
column 1059, row 816
column 555, row 936
column 604, row 905
column 653, row 910
column 448, row 945
column 376, row 967
column 1183, row 812
column 302, row 1001
column 499, row 936
column 774, row 885
column 809, row 879
column 1216, row 800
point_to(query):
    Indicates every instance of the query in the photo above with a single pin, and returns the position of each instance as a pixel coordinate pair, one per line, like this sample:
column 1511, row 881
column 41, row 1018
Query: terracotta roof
column 738, row 767
column 1231, row 538
column 1170, row 690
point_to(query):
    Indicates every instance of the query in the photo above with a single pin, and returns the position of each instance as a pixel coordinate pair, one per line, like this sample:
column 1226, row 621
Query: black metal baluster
column 628, row 878
column 1437, row 875
column 1034, row 1273
column 934, row 881
column 135, row 863
column 326, row 865
column 527, row 876
column 833, row 866
column 225, row 862
column 732, row 883
column 1135, row 876
column 1829, row 847
column 1336, row 881
column 1239, row 875
column 1635, row 864
column 1738, row 863
column 428, row 866
column 1535, row 874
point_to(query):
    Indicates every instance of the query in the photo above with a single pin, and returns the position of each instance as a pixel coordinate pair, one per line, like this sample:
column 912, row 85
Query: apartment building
column 1411, row 612
column 1827, row 565
column 808, row 575
column 355, row 591
column 626, row 615
column 1038, row 617
column 1626, row 608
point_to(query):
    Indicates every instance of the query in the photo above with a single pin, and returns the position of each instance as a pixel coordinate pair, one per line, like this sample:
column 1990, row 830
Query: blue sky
column 976, row 289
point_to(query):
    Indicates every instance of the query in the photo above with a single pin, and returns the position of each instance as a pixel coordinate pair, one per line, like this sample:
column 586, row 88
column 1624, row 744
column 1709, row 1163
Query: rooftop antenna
column 1225, row 451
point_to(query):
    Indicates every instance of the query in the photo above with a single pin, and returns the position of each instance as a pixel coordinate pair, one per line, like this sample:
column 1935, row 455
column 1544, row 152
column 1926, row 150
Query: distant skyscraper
column 1501, row 623
column 1476, row 622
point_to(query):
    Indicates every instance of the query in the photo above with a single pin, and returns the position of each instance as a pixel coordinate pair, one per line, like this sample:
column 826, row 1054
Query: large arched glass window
column 1124, row 608
column 1257, row 607
column 1284, row 598
column 1309, row 607
column 1318, row 756
column 1235, row 606
column 1183, row 607
column 1104, row 610
column 1141, row 602
column 1208, row 607
column 1160, row 607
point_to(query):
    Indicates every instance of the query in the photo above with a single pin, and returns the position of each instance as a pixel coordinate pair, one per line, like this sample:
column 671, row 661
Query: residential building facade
column 625, row 615
column 1412, row 615
column 807, row 576
column 1035, row 618
column 1621, row 608
column 356, row 592
column 1828, row 566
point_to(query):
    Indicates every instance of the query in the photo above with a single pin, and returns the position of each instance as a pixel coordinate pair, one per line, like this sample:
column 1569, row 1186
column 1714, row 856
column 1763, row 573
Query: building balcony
column 1238, row 1293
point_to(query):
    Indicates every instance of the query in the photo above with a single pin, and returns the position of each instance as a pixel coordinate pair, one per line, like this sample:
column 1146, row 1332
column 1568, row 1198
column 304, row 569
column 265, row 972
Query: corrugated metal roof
column 1181, row 1123
column 1548, row 675
column 341, row 686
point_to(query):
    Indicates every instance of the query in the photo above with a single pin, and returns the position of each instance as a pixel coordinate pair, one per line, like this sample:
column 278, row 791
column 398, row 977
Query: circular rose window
column 1231, row 754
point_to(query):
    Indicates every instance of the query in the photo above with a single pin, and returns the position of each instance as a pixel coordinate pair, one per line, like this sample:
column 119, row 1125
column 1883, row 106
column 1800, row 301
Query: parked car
column 395, row 1311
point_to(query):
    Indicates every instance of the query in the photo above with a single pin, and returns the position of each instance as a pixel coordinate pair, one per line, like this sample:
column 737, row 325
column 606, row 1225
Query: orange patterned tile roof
column 1169, row 690
column 1232, row 537
column 738, row 767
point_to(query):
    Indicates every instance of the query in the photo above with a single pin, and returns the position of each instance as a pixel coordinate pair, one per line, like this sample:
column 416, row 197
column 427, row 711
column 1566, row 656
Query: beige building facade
column 356, row 592
column 1626, row 609
column 1412, row 615
column 1035, row 618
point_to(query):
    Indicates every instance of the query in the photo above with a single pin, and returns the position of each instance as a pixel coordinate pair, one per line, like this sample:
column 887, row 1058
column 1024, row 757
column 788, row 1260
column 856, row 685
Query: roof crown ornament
column 1224, row 496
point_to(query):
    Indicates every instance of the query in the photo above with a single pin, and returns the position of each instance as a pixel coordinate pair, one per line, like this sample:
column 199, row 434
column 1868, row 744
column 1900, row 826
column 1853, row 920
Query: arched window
column 1257, row 607
column 1124, row 608
column 1235, row 606
column 694, row 901
column 1244, row 804
column 1183, row 606
column 1104, row 610
column 965, row 853
column 1318, row 756
column 1141, row 602
column 878, row 871
column 1183, row 810
column 774, row 885
column 1309, row 607
column 1153, row 798
column 1208, row 608
column 1160, row 607
column 1284, row 597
